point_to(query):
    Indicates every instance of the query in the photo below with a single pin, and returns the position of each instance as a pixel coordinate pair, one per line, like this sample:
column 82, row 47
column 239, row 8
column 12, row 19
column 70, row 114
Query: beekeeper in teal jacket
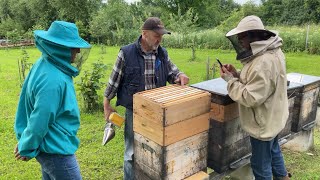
column 48, row 117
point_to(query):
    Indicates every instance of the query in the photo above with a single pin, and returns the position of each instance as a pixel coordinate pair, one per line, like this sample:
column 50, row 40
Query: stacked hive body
column 293, row 92
column 228, row 143
column 170, row 132
column 305, row 103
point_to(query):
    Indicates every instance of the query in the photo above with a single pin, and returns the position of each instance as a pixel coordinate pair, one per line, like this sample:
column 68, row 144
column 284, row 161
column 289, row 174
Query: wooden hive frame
column 169, row 114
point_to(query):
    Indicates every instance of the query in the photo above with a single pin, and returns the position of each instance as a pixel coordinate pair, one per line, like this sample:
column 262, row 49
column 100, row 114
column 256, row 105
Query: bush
column 208, row 39
column 89, row 85
column 294, row 39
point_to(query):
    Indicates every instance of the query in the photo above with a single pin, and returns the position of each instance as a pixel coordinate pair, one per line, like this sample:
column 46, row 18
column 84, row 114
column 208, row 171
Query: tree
column 213, row 12
column 43, row 13
column 23, row 65
column 312, row 10
column 28, row 13
column 172, row 6
column 5, row 10
column 8, row 26
column 114, row 24
column 76, row 10
column 185, row 25
column 294, row 13
column 250, row 8
column 272, row 11
column 289, row 12
column 21, row 13
column 210, row 13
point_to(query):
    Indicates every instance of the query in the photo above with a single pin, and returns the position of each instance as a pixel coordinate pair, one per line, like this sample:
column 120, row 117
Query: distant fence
column 4, row 43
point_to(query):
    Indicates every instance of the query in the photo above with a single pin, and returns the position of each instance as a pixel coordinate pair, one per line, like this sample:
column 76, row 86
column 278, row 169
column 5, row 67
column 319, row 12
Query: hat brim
column 71, row 43
column 238, row 31
column 161, row 31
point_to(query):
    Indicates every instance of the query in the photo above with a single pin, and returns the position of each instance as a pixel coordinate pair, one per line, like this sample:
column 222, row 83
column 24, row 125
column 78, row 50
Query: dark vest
column 133, row 73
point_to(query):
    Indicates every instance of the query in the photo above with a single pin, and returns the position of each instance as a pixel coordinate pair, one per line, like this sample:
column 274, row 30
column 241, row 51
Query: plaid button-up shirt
column 149, row 72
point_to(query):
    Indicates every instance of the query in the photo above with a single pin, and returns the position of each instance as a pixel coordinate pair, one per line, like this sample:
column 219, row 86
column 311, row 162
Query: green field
column 105, row 162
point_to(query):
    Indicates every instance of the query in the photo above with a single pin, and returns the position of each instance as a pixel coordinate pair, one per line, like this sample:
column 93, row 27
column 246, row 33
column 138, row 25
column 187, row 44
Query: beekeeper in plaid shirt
column 140, row 66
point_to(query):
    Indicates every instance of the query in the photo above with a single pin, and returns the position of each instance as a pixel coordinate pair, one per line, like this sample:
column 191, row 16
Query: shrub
column 89, row 85
column 294, row 39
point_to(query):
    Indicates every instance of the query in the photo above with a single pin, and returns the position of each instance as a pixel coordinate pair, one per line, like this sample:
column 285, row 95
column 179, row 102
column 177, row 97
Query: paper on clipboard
column 297, row 78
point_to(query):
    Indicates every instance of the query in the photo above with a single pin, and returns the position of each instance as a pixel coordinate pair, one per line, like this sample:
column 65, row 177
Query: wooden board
column 305, row 109
column 199, row 176
column 146, row 108
column 226, row 133
column 165, row 136
column 309, row 104
column 287, row 129
column 224, row 112
column 220, row 157
column 172, row 113
column 139, row 174
column 184, row 129
column 149, row 128
column 227, row 143
column 176, row 161
column 171, row 104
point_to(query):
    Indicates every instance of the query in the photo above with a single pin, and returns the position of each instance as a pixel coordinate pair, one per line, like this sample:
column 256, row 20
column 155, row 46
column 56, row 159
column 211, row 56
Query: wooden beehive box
column 176, row 161
column 170, row 132
column 169, row 114
column 293, row 91
column 227, row 141
column 305, row 105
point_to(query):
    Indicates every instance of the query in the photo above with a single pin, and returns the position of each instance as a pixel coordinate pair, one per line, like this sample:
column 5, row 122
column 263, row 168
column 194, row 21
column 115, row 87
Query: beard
column 155, row 47
column 151, row 45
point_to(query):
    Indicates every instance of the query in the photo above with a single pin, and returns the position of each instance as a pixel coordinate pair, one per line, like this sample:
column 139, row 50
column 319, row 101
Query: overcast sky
column 237, row 1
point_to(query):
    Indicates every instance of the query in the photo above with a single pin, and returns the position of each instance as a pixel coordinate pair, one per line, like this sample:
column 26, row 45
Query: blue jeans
column 267, row 159
column 59, row 167
column 128, row 139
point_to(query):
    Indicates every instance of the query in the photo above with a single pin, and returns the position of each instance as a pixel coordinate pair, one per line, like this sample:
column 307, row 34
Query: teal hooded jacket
column 48, row 117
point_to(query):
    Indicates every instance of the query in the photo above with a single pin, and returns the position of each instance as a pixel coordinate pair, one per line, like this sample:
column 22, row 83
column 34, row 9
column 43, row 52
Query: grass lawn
column 105, row 162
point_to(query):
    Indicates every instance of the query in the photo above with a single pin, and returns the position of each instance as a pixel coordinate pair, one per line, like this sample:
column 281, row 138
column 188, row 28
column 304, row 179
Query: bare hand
column 182, row 79
column 107, row 109
column 18, row 156
column 231, row 69
column 225, row 74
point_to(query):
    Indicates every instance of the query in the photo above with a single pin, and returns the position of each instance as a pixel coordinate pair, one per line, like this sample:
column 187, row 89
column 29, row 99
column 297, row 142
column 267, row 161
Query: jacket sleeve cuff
column 231, row 81
column 178, row 75
column 28, row 153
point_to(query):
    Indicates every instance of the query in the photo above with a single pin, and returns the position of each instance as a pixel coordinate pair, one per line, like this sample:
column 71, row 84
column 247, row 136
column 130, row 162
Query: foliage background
column 196, row 24
column 202, row 23
column 105, row 162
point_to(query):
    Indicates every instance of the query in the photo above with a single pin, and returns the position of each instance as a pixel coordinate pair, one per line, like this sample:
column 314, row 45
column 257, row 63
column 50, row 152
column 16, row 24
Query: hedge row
column 294, row 39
